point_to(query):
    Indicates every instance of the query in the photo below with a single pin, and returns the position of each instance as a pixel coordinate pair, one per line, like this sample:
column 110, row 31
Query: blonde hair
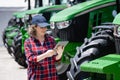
column 32, row 30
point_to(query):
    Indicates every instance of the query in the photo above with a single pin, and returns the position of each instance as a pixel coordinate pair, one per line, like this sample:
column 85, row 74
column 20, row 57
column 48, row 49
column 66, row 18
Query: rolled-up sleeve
column 30, row 56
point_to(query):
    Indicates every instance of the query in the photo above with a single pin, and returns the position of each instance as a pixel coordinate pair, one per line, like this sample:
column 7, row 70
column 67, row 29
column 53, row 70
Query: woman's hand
column 60, row 49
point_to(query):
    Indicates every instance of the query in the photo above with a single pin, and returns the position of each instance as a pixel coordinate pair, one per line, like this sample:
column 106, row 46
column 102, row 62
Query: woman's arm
column 30, row 56
column 49, row 53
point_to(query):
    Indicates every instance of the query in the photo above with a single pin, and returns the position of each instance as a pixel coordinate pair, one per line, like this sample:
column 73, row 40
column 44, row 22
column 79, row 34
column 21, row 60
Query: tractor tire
column 5, row 43
column 100, row 44
column 3, row 38
column 20, row 57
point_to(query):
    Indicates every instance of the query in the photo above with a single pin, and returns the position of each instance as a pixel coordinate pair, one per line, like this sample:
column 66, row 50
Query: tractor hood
column 117, row 19
column 79, row 9
column 40, row 10
column 20, row 14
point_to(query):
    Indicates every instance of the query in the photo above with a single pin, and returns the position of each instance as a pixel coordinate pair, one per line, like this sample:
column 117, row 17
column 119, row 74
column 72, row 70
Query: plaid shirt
column 44, row 69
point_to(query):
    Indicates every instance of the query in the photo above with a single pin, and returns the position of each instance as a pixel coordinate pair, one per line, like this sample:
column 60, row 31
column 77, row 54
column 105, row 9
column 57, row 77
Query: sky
column 13, row 3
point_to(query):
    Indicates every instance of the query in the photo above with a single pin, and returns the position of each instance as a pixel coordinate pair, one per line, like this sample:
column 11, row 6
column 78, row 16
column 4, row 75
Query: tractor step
column 108, row 64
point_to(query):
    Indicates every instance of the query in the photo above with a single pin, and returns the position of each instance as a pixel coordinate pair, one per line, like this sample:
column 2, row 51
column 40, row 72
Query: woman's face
column 41, row 30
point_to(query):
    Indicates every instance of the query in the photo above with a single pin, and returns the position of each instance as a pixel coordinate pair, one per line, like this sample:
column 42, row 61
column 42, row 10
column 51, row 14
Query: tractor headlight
column 60, row 25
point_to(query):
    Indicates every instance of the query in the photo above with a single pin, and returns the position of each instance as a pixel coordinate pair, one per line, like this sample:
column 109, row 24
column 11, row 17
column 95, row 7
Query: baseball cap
column 40, row 21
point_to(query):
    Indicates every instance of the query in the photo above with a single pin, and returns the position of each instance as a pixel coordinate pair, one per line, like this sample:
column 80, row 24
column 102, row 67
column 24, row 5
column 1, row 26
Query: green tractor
column 10, row 31
column 75, row 26
column 79, row 22
column 106, row 67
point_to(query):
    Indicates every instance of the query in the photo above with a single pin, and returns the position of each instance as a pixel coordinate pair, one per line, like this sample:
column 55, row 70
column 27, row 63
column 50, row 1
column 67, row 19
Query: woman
column 40, row 52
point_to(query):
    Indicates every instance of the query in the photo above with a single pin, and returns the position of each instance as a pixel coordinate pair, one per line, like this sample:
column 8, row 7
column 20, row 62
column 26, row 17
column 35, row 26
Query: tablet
column 62, row 43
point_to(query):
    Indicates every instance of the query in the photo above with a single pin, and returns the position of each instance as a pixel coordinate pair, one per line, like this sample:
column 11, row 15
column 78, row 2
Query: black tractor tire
column 20, row 57
column 100, row 44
